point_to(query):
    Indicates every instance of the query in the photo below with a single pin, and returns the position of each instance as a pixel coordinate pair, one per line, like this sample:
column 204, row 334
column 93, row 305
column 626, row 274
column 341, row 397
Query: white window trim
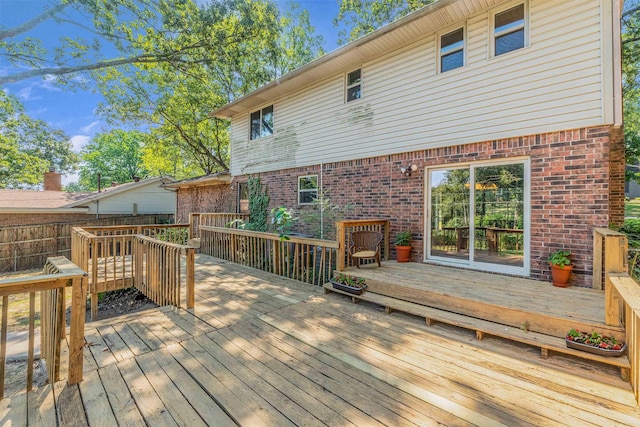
column 347, row 86
column 492, row 23
column 300, row 191
column 525, row 270
column 465, row 46
column 274, row 121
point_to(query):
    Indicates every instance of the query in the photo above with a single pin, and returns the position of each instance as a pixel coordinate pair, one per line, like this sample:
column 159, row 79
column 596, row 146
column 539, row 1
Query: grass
column 18, row 319
column 632, row 208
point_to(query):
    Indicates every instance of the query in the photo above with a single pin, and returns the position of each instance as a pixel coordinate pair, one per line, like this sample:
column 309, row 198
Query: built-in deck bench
column 543, row 341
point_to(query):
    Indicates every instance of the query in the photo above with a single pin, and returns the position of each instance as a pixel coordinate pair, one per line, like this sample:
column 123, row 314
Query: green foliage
column 321, row 217
column 282, row 219
column 360, row 17
column 29, row 148
column 357, row 282
column 116, row 156
column 403, row 238
column 630, row 83
column 258, row 205
column 560, row 258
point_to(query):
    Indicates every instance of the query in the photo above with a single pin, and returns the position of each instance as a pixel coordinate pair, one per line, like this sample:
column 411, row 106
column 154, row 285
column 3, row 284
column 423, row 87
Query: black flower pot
column 356, row 290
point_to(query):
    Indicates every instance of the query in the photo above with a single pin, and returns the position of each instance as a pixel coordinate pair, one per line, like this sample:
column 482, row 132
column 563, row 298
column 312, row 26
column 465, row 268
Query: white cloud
column 87, row 128
column 26, row 94
column 79, row 141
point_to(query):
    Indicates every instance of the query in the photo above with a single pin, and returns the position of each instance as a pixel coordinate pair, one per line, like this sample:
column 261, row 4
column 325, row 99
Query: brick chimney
column 52, row 181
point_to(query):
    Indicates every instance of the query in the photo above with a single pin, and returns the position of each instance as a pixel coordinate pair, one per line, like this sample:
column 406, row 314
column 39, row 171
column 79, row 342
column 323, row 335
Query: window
column 243, row 197
column 262, row 122
column 354, row 85
column 307, row 189
column 452, row 50
column 509, row 30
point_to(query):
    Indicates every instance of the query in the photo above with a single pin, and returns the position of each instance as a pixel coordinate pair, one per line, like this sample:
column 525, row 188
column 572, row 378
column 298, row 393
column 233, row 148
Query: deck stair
column 483, row 317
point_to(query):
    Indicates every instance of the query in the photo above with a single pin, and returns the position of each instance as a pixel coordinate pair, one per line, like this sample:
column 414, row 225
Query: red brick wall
column 577, row 183
column 209, row 198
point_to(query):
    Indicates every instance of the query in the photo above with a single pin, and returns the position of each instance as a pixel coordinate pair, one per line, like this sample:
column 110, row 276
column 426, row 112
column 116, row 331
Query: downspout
column 97, row 209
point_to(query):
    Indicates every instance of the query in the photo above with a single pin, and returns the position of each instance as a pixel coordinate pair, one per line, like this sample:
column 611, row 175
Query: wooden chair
column 365, row 245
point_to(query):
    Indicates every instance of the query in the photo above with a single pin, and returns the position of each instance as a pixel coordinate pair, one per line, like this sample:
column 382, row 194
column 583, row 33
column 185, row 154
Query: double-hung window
column 452, row 50
column 354, row 85
column 262, row 122
column 307, row 189
column 509, row 30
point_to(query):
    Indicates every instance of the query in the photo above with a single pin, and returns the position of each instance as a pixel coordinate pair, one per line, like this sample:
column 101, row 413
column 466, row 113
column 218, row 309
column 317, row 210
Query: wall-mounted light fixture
column 406, row 171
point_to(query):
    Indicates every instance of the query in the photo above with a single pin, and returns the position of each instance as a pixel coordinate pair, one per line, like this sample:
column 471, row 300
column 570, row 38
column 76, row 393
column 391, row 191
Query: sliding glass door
column 477, row 216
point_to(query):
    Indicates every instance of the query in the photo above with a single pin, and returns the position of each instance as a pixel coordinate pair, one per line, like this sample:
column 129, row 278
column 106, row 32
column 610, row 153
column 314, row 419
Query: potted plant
column 403, row 246
column 353, row 285
column 560, row 267
column 595, row 343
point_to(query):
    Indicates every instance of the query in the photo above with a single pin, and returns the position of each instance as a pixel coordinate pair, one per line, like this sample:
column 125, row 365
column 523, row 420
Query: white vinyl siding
column 554, row 83
column 150, row 199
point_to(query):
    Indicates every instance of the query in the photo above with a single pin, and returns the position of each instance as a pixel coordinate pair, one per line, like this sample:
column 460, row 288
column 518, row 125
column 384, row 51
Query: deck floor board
column 261, row 350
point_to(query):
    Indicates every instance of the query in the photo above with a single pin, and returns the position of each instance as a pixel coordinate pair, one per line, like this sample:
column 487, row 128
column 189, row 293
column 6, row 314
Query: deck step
column 480, row 326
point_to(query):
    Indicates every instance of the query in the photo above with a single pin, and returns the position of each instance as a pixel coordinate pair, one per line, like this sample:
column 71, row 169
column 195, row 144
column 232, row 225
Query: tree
column 29, row 147
column 630, row 83
column 116, row 156
column 126, row 26
column 176, row 101
column 360, row 17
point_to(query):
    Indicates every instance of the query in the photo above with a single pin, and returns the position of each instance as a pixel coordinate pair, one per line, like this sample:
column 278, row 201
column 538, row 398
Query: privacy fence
column 28, row 247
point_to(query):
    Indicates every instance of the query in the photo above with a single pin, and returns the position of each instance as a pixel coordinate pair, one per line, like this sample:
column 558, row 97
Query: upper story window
column 509, row 30
column 262, row 122
column 354, row 85
column 452, row 50
column 307, row 189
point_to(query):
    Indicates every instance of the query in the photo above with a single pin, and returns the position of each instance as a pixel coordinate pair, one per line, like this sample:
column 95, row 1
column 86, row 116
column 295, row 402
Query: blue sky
column 74, row 111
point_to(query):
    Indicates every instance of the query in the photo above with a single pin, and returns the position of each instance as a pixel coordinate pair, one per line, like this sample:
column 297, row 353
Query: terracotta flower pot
column 560, row 275
column 403, row 253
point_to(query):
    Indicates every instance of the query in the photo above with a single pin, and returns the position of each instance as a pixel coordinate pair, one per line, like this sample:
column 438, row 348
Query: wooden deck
column 261, row 350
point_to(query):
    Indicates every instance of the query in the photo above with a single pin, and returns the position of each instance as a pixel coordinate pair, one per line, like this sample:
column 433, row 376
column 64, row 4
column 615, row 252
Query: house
column 147, row 196
column 207, row 193
column 491, row 129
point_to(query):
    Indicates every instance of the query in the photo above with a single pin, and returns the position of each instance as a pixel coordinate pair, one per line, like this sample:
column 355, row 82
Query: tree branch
column 47, row 14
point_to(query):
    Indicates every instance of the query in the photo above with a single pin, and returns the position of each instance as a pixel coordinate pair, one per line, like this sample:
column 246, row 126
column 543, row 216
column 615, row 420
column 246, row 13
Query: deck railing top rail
column 272, row 236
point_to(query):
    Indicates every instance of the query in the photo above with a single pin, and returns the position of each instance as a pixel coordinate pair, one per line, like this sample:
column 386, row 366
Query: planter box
column 346, row 288
column 596, row 350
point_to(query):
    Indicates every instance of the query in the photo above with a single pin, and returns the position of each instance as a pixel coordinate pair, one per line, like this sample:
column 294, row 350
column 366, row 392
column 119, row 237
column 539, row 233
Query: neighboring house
column 491, row 129
column 147, row 196
column 208, row 193
column 632, row 187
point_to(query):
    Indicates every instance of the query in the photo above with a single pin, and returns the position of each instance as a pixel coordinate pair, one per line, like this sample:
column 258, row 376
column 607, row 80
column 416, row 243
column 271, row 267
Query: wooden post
column 340, row 235
column 191, row 277
column 615, row 261
column 386, row 240
column 3, row 342
column 597, row 260
column 76, row 328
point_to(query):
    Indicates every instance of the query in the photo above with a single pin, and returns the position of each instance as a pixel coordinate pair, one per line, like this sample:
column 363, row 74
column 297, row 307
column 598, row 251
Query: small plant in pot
column 560, row 267
column 403, row 246
column 351, row 284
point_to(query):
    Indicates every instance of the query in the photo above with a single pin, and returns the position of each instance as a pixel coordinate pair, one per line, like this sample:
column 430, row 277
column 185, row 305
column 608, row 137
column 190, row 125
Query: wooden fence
column 27, row 247
column 116, row 259
column 59, row 273
column 344, row 230
column 304, row 259
column 622, row 294
column 212, row 220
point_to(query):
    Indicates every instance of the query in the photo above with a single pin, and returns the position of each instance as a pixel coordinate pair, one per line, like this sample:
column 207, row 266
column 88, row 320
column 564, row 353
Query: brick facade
column 577, row 184
column 205, row 198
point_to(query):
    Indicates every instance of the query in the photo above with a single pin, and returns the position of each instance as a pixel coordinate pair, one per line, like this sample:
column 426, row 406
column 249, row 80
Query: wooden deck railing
column 304, row 259
column 622, row 294
column 117, row 260
column 344, row 230
column 212, row 220
column 174, row 233
column 59, row 273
